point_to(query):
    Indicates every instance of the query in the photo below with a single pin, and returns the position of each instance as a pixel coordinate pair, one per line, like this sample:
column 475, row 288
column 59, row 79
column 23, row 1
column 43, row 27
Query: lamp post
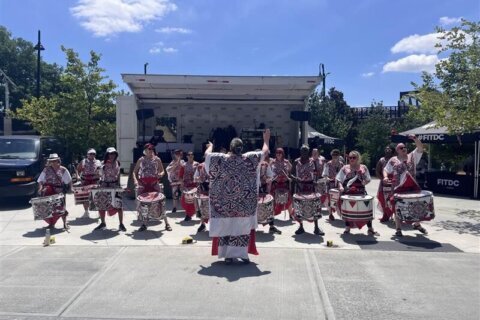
column 39, row 48
column 145, row 68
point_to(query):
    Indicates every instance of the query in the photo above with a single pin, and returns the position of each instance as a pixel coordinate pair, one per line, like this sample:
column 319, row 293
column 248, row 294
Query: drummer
column 402, row 168
column 146, row 175
column 305, row 174
column 54, row 179
column 281, row 169
column 187, row 170
column 266, row 177
column 319, row 162
column 330, row 171
column 352, row 179
column 387, row 212
column 173, row 173
column 88, row 171
column 110, row 178
column 202, row 181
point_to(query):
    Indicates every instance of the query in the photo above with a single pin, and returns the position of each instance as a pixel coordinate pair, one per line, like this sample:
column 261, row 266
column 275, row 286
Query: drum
column 81, row 193
column 356, row 208
column 414, row 207
column 334, row 196
column 321, row 186
column 151, row 205
column 307, row 205
column 281, row 196
column 190, row 195
column 46, row 207
column 265, row 209
column 202, row 202
column 140, row 189
column 105, row 198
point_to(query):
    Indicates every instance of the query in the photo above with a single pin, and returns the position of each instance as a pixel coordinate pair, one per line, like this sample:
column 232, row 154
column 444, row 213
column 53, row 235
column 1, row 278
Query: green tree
column 451, row 96
column 374, row 132
column 18, row 60
column 82, row 115
column 332, row 115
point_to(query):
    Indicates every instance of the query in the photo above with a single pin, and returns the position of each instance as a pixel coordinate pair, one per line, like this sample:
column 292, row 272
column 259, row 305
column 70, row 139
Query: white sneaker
column 86, row 215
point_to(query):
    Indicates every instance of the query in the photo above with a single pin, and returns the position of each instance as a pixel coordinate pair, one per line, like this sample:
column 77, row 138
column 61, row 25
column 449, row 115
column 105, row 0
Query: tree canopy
column 82, row 115
column 451, row 96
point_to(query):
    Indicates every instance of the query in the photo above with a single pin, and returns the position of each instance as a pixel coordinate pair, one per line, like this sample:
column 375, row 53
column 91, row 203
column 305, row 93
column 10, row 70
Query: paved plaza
column 150, row 275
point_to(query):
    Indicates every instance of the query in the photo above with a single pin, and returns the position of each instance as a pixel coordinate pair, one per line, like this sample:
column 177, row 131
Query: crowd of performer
column 234, row 192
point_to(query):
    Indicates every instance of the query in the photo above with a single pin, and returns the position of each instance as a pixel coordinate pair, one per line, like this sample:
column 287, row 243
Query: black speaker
column 300, row 115
column 143, row 114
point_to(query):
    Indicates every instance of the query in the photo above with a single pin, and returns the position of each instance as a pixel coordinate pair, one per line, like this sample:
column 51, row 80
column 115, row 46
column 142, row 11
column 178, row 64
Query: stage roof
column 193, row 89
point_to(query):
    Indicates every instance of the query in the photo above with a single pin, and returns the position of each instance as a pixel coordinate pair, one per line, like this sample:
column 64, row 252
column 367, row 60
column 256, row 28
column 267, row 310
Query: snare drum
column 189, row 195
column 281, row 196
column 151, row 205
column 356, row 208
column 414, row 207
column 265, row 209
column 307, row 205
column 203, row 203
column 81, row 193
column 105, row 199
column 46, row 207
column 334, row 197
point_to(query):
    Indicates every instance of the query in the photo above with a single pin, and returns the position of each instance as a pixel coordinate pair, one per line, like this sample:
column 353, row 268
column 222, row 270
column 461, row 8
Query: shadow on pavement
column 337, row 223
column 262, row 236
column 40, row 232
column 356, row 237
column 100, row 235
column 82, row 221
column 145, row 235
column 137, row 223
column 7, row 204
column 307, row 238
column 284, row 223
column 461, row 227
column 233, row 272
column 201, row 236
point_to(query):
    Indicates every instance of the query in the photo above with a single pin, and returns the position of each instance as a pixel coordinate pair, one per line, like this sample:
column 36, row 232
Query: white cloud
column 412, row 63
column 417, row 44
column 445, row 21
column 109, row 17
column 160, row 48
column 170, row 50
column 169, row 30
column 368, row 74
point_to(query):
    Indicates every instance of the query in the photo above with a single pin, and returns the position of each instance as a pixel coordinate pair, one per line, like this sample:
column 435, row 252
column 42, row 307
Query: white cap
column 91, row 150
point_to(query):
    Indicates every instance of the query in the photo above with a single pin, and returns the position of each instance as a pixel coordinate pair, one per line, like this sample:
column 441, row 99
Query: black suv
column 22, row 159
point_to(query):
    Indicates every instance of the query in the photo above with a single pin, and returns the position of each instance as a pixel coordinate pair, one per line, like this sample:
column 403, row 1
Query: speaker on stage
column 300, row 115
column 143, row 114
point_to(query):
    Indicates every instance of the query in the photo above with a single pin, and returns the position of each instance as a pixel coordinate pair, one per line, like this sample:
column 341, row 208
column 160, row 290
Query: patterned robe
column 109, row 178
column 305, row 172
column 399, row 169
column 330, row 171
column 186, row 173
column 381, row 195
column 148, row 174
column 345, row 175
column 173, row 174
column 282, row 196
column 233, row 202
column 53, row 181
column 89, row 173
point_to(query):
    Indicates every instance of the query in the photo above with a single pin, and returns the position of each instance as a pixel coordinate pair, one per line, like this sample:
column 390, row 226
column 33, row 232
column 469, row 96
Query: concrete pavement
column 150, row 275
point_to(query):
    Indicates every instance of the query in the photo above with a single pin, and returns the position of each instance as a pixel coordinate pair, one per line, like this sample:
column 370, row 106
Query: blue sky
column 373, row 49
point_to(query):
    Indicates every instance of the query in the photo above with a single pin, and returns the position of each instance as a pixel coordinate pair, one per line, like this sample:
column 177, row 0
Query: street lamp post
column 39, row 48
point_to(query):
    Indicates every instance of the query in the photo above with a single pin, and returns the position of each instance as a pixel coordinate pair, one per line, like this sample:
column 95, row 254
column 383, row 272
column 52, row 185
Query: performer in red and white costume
column 147, row 173
column 402, row 168
column 319, row 161
column 186, row 174
column 234, row 182
column 173, row 174
column 305, row 177
column 381, row 196
column 266, row 178
column 110, row 178
column 330, row 171
column 202, row 181
column 281, row 169
column 54, row 179
column 88, row 171
column 352, row 179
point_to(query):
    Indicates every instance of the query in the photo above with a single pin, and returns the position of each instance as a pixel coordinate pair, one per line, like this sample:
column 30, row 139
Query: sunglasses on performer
column 352, row 158
column 401, row 148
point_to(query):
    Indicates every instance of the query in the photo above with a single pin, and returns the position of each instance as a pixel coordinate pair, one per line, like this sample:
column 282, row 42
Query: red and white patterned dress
column 305, row 172
column 173, row 174
column 187, row 171
column 233, row 202
column 282, row 196
column 52, row 181
column 381, row 195
column 109, row 178
column 148, row 174
column 330, row 171
column 362, row 177
column 89, row 173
